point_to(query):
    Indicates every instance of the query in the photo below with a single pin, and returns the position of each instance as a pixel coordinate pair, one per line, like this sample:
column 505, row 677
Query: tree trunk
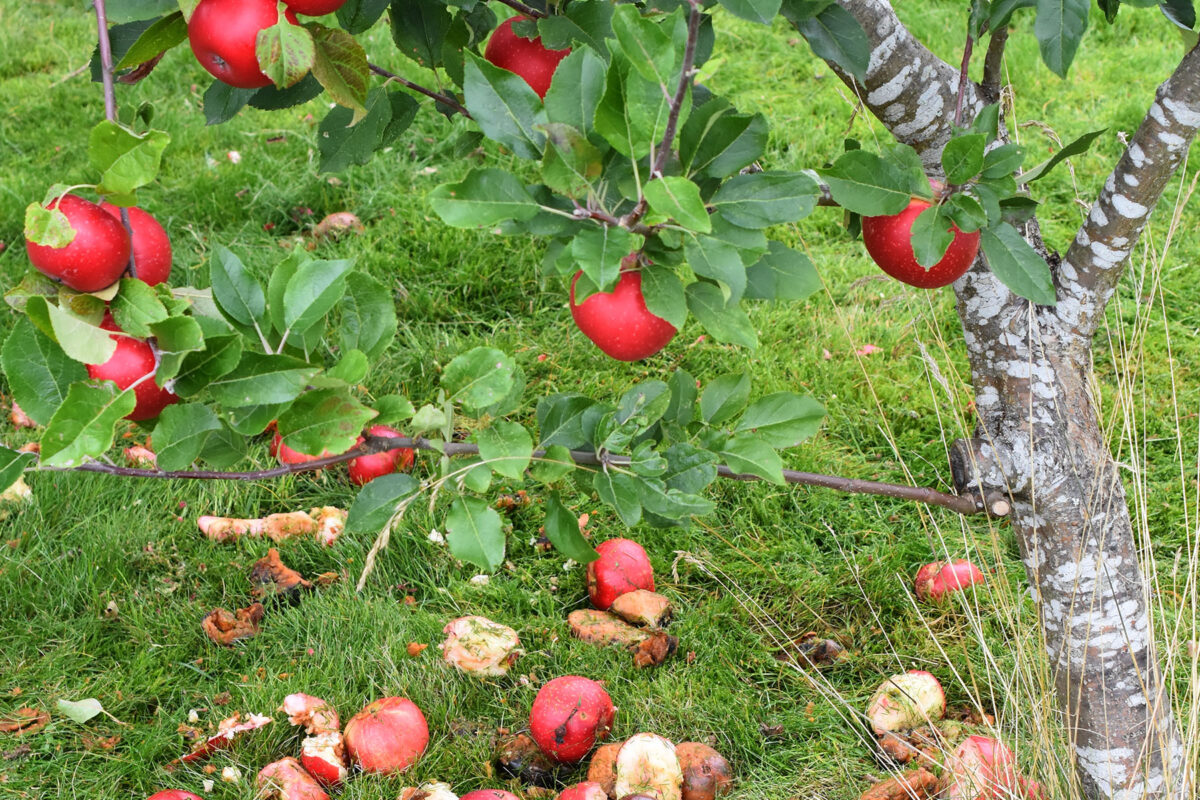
column 1038, row 438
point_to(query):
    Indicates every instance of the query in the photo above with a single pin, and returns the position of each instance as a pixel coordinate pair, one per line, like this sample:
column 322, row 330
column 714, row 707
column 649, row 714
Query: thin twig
column 445, row 100
column 962, row 504
column 528, row 11
column 992, row 63
column 963, row 79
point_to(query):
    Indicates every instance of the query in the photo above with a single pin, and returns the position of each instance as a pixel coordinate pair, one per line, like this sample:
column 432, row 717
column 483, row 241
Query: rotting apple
column 324, row 756
column 314, row 8
column 223, row 33
column 285, row 779
column 706, row 773
column 151, row 245
column 95, row 258
column 982, row 768
column 569, row 716
column 316, row 715
column 889, row 241
column 132, row 361
column 647, row 764
column 622, row 567
column 906, row 701
column 618, row 322
column 387, row 736
column 528, row 58
column 602, row 770
column 939, row 579
column 365, row 469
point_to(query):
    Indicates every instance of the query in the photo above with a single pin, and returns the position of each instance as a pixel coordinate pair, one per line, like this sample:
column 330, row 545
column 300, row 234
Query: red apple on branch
column 619, row 322
column 526, row 57
column 132, row 361
column 889, row 241
column 222, row 34
column 365, row 469
column 95, row 258
column 151, row 245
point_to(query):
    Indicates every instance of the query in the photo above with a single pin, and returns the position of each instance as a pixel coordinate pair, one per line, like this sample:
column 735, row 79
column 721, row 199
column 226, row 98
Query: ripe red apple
column 569, row 715
column 132, row 360
column 314, row 8
column 174, row 794
column 387, row 736
column 151, row 246
column 889, row 241
column 619, row 322
column 222, row 35
column 365, row 469
column 622, row 567
column 95, row 258
column 526, row 57
column 287, row 455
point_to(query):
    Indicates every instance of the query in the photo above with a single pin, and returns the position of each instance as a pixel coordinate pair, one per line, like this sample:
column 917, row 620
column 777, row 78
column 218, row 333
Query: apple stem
column 110, row 99
column 445, row 100
column 965, row 504
column 528, row 11
column 962, row 77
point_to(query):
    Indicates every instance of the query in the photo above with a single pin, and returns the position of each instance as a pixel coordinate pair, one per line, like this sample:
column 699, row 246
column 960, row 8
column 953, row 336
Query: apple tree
column 648, row 190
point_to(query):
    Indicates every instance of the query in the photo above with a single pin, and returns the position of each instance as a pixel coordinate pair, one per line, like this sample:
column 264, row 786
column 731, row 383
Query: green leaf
column 560, row 420
column 864, row 183
column 724, row 397
column 181, row 432
column 663, row 294
column 1181, row 12
column 588, row 22
column 474, row 533
column 782, row 419
column 672, row 504
column 219, row 357
column 710, row 257
column 222, row 102
column 356, row 16
column 262, row 380
column 12, row 465
column 484, row 197
column 313, row 291
column 38, row 371
column 836, row 36
column 506, row 447
column 504, row 107
column 682, row 408
column 33, row 284
column 1003, row 160
column 554, row 465
column 418, row 29
column 1017, row 264
column 760, row 11
column 376, row 503
column 599, row 251
column 689, row 468
column 351, row 368
column 571, row 162
column 340, row 64
column 620, row 492
column 235, row 291
column 126, row 160
column 1076, row 147
column 428, row 418
column 344, row 143
column 253, row 420
column 393, row 408
column 717, row 141
column 746, row 454
column 644, row 403
column 562, row 529
column 762, row 199
column 1059, row 28
column 175, row 337
column 477, row 479
column 83, row 425
column 80, row 710
column 962, row 157
column 78, row 337
column 162, row 35
column 782, row 274
column 368, row 316
column 223, row 448
column 121, row 11
column 324, row 419
column 136, row 307
column 1002, row 11
column 47, row 226
column 931, row 236
column 285, row 52
column 676, row 198
column 478, row 378
column 646, row 45
column 726, row 323
column 575, row 91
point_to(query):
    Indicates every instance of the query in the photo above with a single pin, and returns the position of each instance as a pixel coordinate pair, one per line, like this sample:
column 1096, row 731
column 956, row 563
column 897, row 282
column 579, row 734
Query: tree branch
column 992, row 63
column 963, row 79
column 965, row 504
column 1097, row 257
column 445, row 100
column 528, row 11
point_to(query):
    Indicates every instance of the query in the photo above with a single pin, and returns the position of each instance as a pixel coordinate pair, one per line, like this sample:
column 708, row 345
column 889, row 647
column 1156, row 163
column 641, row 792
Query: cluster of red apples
column 363, row 469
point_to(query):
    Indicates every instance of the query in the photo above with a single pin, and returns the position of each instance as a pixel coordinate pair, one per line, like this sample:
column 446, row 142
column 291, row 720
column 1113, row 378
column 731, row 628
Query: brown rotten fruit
column 706, row 773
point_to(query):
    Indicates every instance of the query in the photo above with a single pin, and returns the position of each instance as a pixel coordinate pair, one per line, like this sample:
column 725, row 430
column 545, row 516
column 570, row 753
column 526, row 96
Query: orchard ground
column 772, row 563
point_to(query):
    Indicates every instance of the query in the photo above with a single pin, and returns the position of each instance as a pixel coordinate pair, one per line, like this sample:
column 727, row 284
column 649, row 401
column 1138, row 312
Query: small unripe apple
column 151, row 245
column 889, row 241
column 132, row 360
column 526, row 57
column 619, row 323
column 95, row 258
column 222, row 34
column 365, row 469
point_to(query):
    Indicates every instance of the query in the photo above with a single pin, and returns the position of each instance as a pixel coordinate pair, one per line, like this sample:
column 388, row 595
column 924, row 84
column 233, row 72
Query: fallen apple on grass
column 622, row 567
column 588, row 790
column 528, row 58
column 939, row 579
column 706, row 773
column 905, row 701
column 618, row 322
column 489, row 794
column 174, row 794
column 325, row 524
column 387, row 736
column 324, row 756
column 889, row 242
column 478, row 646
column 151, row 245
column 569, row 716
column 227, row 730
column 95, row 258
column 285, row 779
column 316, row 715
column 647, row 764
column 519, row 757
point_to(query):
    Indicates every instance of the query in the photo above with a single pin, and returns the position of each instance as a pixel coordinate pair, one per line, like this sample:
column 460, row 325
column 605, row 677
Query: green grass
column 771, row 562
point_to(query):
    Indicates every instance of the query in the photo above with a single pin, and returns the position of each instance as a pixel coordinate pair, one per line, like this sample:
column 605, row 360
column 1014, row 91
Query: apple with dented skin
column 618, row 322
column 569, row 716
column 528, row 58
column 223, row 33
column 132, row 361
column 889, row 241
column 151, row 245
column 95, row 258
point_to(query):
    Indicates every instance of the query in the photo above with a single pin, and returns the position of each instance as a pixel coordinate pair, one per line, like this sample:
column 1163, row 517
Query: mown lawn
column 770, row 564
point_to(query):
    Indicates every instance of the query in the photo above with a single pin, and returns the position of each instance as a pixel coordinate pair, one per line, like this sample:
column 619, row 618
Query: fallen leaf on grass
column 100, row 743
column 23, row 751
column 225, row 628
column 24, row 721
column 80, row 710
column 811, row 651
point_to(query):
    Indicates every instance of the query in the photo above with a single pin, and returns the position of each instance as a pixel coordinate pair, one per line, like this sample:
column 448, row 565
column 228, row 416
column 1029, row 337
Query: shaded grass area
column 770, row 563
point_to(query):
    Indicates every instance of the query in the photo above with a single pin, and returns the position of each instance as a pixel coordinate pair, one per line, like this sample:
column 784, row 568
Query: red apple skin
column 588, row 790
column 174, row 794
column 889, row 241
column 151, row 245
column 95, row 258
column 287, row 455
column 619, row 322
column 365, row 469
column 132, row 359
column 387, row 736
column 314, row 8
column 222, row 35
column 526, row 57
column 569, row 716
column 622, row 567
column 937, row 580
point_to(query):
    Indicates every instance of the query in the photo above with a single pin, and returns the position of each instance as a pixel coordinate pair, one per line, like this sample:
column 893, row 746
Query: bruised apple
column 618, row 322
column 528, row 58
column 569, row 715
column 95, row 258
column 130, row 363
column 151, row 245
column 889, row 241
column 324, row 756
column 706, row 773
column 622, row 567
column 938, row 580
column 285, row 779
column 387, row 736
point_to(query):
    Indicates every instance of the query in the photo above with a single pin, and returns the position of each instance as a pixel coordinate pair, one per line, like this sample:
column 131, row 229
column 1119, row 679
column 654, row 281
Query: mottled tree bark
column 1038, row 437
